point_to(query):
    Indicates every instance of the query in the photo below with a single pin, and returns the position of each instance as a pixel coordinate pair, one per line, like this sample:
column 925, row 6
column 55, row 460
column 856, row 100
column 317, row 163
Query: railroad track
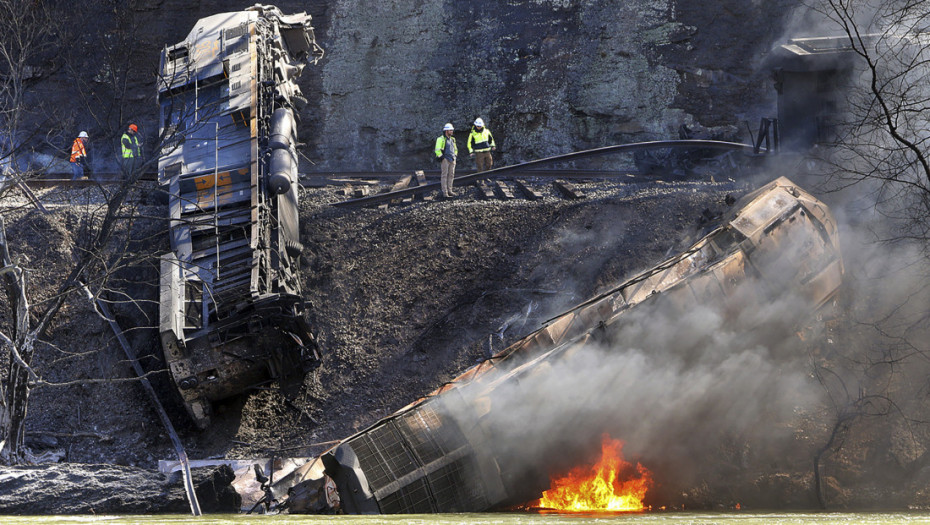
column 355, row 185
column 369, row 188
column 334, row 178
column 403, row 190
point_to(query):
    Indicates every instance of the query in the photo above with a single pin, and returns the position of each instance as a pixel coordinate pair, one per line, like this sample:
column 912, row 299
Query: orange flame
column 597, row 488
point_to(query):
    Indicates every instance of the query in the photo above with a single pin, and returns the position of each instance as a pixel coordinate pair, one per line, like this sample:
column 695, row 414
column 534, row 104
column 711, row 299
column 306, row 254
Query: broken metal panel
column 240, row 311
column 171, row 298
column 421, row 460
column 673, row 271
column 821, row 216
column 706, row 287
column 593, row 314
column 759, row 214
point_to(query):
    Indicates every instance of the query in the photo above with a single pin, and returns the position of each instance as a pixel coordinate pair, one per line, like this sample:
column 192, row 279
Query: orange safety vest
column 77, row 149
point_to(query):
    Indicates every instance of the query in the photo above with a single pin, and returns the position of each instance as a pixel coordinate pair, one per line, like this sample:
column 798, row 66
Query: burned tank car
column 441, row 453
column 230, row 298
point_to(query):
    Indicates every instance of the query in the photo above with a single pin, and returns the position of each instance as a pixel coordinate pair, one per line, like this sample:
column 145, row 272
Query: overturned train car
column 437, row 454
column 230, row 301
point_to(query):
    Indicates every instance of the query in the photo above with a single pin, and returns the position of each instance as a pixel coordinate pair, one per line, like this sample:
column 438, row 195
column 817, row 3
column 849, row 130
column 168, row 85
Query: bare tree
column 104, row 245
column 885, row 137
column 26, row 29
column 875, row 373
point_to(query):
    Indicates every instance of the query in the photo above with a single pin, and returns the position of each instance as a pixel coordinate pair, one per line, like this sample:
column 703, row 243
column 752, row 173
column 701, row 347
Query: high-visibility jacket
column 480, row 140
column 77, row 150
column 130, row 143
column 441, row 146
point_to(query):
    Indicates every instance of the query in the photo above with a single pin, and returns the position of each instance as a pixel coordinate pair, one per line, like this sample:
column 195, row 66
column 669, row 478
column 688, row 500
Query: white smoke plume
column 712, row 389
column 700, row 391
column 672, row 381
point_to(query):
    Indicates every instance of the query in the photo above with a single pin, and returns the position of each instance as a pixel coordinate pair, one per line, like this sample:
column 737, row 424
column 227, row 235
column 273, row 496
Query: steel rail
column 619, row 148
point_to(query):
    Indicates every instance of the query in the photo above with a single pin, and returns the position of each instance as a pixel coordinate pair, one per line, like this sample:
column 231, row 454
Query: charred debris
column 444, row 452
column 232, row 313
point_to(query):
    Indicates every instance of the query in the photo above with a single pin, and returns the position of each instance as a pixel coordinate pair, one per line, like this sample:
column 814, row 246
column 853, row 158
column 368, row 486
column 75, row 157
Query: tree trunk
column 17, row 404
column 22, row 349
column 4, row 420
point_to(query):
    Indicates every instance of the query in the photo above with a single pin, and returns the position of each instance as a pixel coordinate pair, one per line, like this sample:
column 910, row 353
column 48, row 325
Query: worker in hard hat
column 79, row 155
column 131, row 144
column 446, row 151
column 480, row 145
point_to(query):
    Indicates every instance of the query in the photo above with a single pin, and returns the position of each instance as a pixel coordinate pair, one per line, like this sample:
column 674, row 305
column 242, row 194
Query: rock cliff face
column 548, row 76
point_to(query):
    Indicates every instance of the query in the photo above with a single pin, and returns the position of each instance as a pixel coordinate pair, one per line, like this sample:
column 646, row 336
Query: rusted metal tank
column 437, row 454
column 231, row 305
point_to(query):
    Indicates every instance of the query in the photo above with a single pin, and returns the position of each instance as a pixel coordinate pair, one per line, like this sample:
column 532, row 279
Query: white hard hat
column 82, row 135
column 448, row 127
column 479, row 122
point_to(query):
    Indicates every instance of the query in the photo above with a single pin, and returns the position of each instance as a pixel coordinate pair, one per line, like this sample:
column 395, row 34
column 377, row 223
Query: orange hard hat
column 133, row 127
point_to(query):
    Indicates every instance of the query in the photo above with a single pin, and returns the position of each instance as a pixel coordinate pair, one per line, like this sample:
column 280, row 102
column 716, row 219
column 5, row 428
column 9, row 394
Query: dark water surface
column 668, row 518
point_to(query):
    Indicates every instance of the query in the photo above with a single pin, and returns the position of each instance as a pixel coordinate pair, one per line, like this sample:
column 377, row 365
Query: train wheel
column 293, row 248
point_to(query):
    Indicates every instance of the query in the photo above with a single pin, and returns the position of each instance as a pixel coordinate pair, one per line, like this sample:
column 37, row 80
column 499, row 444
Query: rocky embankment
column 71, row 488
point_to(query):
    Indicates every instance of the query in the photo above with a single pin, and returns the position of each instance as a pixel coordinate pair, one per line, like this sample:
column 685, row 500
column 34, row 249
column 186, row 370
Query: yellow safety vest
column 133, row 145
column 441, row 146
column 483, row 140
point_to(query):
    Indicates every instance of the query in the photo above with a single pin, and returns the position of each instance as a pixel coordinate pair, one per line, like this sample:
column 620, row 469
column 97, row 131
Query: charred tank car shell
column 231, row 308
column 441, row 453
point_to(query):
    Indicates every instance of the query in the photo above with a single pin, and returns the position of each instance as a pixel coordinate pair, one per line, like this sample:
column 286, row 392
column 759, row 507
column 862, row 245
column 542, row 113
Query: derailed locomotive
column 231, row 311
column 437, row 455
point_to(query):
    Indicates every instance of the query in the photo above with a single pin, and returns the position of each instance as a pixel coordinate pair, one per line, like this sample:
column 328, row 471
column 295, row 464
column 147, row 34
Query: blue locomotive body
column 231, row 307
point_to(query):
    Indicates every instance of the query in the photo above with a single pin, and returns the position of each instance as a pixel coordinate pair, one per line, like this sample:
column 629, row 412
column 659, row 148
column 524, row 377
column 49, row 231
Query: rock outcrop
column 548, row 76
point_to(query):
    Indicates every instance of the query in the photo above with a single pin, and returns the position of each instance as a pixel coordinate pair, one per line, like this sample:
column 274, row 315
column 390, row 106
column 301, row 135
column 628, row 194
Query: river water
column 665, row 518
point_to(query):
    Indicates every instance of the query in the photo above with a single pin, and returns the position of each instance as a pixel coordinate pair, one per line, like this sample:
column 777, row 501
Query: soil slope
column 402, row 299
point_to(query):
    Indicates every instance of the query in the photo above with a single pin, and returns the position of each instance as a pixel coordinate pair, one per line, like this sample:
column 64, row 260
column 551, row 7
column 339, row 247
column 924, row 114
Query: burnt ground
column 401, row 300
column 405, row 299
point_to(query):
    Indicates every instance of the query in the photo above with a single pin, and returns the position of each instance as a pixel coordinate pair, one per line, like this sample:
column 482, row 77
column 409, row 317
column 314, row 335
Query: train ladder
column 216, row 200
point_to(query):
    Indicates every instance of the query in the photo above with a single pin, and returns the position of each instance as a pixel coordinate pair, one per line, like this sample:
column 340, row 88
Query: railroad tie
column 568, row 189
column 487, row 191
column 530, row 193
